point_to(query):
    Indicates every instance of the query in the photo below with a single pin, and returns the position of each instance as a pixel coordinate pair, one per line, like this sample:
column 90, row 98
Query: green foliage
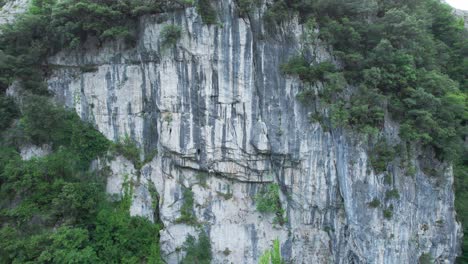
column 392, row 194
column 154, row 194
column 170, row 34
column 339, row 115
column 69, row 245
column 43, row 122
column 118, row 236
column 56, row 191
column 273, row 255
column 207, row 11
column 305, row 71
column 202, row 178
column 409, row 57
column 381, row 154
column 268, row 201
column 128, row 148
column 187, row 214
column 54, row 209
column 425, row 258
column 374, row 203
column 388, row 212
column 411, row 170
column 197, row 251
column 388, row 179
column 226, row 196
column 8, row 112
column 461, row 200
column 104, row 19
column 245, row 7
column 49, row 26
column 276, row 14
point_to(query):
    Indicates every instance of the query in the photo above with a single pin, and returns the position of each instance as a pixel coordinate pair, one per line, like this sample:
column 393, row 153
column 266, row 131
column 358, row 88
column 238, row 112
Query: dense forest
column 405, row 58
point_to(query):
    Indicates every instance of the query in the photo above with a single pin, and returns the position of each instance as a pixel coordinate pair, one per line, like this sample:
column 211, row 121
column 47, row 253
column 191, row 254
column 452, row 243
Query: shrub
column 54, row 209
column 425, row 258
column 207, row 11
column 374, row 203
column 86, row 141
column 394, row 62
column 187, row 214
column 411, row 170
column 272, row 256
column 393, row 194
column 49, row 26
column 197, row 251
column 45, row 123
column 226, row 196
column 381, row 154
column 268, row 201
column 8, row 112
column 388, row 212
column 129, row 149
column 276, row 14
column 339, row 115
column 308, row 72
column 388, row 179
column 119, row 236
column 72, row 218
column 202, row 178
column 170, row 34
column 245, row 7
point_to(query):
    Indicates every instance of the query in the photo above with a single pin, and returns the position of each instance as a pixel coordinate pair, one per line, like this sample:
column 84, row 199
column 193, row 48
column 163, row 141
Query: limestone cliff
column 217, row 104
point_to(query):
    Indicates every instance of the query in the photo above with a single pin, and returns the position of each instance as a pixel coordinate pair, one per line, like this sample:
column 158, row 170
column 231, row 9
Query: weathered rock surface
column 31, row 151
column 11, row 9
column 217, row 104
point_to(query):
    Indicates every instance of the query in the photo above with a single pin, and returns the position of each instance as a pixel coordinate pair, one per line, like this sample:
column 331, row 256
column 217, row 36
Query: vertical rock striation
column 216, row 106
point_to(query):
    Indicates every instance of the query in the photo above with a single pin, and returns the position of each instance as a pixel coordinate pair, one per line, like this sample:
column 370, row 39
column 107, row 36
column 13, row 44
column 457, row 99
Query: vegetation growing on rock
column 405, row 57
column 187, row 214
column 268, row 201
column 197, row 250
column 170, row 34
column 273, row 255
column 54, row 208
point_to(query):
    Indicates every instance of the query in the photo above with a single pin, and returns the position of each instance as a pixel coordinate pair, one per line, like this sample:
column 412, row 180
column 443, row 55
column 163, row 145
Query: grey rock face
column 31, row 151
column 216, row 103
column 10, row 9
